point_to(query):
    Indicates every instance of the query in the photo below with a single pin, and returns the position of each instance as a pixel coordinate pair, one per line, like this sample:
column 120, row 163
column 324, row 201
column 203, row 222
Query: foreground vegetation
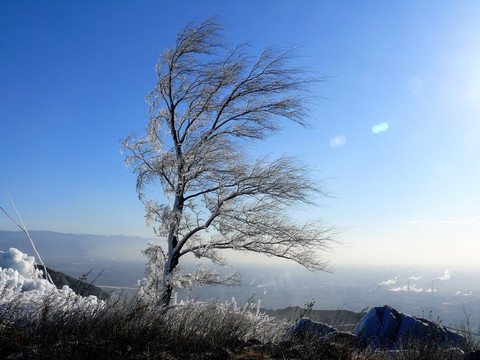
column 121, row 329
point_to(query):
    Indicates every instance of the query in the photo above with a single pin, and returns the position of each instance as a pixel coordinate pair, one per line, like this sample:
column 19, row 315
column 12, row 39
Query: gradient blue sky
column 74, row 75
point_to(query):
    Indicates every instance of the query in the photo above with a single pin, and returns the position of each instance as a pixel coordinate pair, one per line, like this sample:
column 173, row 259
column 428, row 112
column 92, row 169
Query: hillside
column 80, row 287
column 342, row 319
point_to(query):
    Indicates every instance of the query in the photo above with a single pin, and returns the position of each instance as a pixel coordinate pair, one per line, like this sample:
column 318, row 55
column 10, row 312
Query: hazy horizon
column 408, row 288
column 130, row 248
column 349, row 287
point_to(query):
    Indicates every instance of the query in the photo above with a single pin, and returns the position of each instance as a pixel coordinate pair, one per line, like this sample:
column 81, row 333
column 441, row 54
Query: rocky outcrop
column 386, row 327
column 308, row 328
column 340, row 337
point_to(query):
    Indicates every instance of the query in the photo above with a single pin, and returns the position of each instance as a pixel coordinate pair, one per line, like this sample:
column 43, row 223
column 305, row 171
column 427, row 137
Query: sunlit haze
column 395, row 133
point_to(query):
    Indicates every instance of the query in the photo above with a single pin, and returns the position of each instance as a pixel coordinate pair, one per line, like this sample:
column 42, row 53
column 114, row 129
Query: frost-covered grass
column 122, row 329
column 38, row 321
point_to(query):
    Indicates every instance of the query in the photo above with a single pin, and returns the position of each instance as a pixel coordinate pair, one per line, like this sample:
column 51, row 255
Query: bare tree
column 207, row 103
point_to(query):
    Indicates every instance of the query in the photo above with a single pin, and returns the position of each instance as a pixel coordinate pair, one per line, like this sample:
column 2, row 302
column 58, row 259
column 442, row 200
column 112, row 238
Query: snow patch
column 21, row 283
column 16, row 260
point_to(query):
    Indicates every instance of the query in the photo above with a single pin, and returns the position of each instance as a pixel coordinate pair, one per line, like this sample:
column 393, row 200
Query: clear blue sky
column 397, row 134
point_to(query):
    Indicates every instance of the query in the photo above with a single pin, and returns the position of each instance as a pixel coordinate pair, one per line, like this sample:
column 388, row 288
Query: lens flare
column 377, row 129
column 338, row 141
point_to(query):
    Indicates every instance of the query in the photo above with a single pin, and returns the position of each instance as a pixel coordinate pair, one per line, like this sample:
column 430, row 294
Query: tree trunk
column 171, row 264
column 168, row 289
column 166, row 296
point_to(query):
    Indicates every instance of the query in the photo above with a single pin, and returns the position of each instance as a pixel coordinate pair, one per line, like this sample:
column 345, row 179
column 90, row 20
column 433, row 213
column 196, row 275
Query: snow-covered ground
column 21, row 283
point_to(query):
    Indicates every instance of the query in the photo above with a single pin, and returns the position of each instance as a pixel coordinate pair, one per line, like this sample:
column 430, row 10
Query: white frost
column 16, row 260
column 20, row 282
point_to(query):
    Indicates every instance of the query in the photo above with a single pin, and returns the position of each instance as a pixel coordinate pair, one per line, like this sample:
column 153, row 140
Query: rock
column 386, row 327
column 308, row 328
column 431, row 353
column 377, row 327
column 340, row 337
column 454, row 354
column 474, row 355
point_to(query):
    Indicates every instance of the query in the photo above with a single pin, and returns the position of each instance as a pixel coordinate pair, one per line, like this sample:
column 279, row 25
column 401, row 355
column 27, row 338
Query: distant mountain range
column 341, row 319
column 54, row 246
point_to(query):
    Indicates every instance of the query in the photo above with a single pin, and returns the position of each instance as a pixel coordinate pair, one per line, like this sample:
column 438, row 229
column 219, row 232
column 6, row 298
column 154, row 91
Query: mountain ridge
column 54, row 245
